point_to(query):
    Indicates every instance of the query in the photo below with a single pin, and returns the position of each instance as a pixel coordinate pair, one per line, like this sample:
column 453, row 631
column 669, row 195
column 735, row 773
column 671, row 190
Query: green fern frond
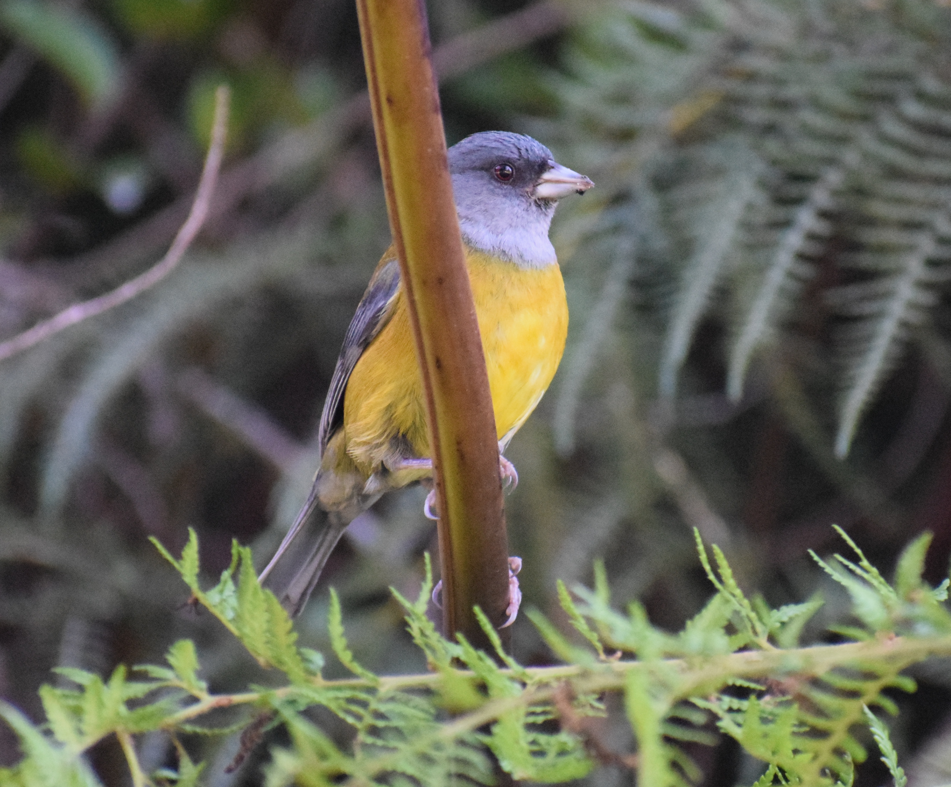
column 647, row 704
column 799, row 709
column 557, row 642
column 749, row 622
column 46, row 761
column 764, row 311
column 248, row 611
column 873, row 344
column 439, row 653
column 578, row 620
column 889, row 755
column 837, row 122
column 714, row 230
column 188, row 772
column 805, row 727
column 338, row 640
column 182, row 657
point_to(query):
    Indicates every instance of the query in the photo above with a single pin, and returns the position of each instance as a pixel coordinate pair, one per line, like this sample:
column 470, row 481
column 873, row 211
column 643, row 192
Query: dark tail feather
column 302, row 584
column 296, row 566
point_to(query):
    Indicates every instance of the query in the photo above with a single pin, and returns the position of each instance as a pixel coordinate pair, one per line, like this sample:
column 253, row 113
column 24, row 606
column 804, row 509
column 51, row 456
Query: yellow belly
column 523, row 320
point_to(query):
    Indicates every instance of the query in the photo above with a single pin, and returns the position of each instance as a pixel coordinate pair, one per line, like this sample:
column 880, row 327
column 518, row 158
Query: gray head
column 506, row 187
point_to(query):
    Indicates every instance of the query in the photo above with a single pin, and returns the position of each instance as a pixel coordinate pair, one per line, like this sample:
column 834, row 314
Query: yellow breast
column 523, row 320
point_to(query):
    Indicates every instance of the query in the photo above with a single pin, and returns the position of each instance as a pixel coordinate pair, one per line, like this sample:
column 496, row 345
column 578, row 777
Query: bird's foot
column 509, row 474
column 515, row 592
column 429, row 507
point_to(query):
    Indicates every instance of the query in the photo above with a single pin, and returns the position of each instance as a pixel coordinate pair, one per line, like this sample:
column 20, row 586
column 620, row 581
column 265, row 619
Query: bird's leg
column 416, row 463
column 509, row 481
column 507, row 472
column 409, row 463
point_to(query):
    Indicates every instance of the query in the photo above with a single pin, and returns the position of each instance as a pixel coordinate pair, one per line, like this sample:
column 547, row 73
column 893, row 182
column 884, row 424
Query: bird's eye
column 504, row 172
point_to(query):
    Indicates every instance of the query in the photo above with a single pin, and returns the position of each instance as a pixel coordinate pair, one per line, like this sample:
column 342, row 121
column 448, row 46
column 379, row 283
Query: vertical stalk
column 410, row 139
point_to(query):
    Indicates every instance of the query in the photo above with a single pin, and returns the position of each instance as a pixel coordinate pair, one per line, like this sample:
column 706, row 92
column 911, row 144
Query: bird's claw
column 429, row 507
column 508, row 472
column 515, row 592
column 509, row 481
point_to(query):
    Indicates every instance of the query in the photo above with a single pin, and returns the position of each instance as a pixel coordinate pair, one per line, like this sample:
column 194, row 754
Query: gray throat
column 518, row 234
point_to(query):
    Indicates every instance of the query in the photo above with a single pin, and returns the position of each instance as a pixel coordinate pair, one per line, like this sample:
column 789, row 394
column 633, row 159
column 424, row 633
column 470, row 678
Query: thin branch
column 128, row 749
column 501, row 35
column 137, row 484
column 14, row 69
column 248, row 423
column 126, row 292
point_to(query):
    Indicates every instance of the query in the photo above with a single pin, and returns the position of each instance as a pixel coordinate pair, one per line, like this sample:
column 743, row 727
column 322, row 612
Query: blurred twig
column 689, row 496
column 250, row 424
column 14, row 69
column 126, row 292
column 137, row 483
column 502, row 35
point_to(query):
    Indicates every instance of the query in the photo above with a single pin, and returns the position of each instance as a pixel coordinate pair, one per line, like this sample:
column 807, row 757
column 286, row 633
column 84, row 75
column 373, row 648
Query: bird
column 372, row 434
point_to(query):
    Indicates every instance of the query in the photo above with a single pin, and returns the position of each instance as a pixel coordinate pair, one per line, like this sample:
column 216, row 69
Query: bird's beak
column 559, row 181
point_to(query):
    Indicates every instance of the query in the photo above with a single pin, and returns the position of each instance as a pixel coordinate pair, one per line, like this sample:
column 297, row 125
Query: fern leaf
column 646, row 706
column 787, row 622
column 875, row 344
column 889, row 755
column 251, row 610
column 188, row 772
column 911, row 566
column 708, row 264
column 187, row 567
column 770, row 776
column 705, row 633
column 577, row 620
column 45, row 762
column 726, row 584
column 183, row 659
column 338, row 640
column 495, row 640
column 282, row 640
column 557, row 642
column 95, row 711
column 785, row 274
column 439, row 651
column 62, row 719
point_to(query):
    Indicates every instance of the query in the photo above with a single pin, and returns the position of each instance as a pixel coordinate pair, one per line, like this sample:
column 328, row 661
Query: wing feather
column 373, row 312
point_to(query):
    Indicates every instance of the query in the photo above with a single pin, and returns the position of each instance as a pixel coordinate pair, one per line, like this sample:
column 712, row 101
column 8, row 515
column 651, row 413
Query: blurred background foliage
column 759, row 344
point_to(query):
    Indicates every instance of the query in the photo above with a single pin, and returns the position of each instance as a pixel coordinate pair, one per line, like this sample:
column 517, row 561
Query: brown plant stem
column 411, row 143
